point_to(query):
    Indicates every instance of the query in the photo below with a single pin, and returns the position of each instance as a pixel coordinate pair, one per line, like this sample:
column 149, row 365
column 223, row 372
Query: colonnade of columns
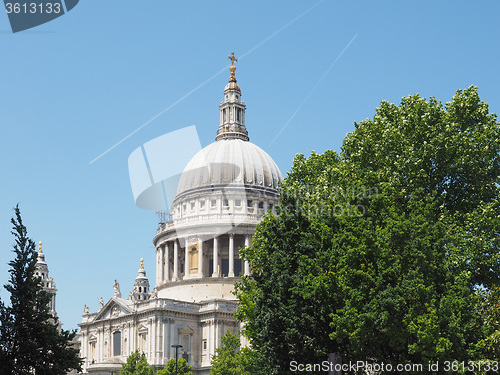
column 172, row 249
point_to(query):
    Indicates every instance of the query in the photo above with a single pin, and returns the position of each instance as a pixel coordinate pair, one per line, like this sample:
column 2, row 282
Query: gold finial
column 232, row 58
column 40, row 247
column 142, row 263
column 232, row 68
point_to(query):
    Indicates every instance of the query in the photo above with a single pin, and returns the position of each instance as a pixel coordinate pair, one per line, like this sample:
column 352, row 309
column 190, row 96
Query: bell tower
column 47, row 283
column 141, row 285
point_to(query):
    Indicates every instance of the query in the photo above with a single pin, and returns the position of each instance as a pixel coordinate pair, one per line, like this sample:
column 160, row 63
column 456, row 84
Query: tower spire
column 141, row 285
column 48, row 284
column 232, row 109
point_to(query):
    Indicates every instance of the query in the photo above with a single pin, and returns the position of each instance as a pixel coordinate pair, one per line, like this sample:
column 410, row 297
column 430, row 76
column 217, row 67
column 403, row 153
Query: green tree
column 30, row 339
column 137, row 364
column 379, row 253
column 490, row 310
column 286, row 303
column 231, row 359
column 182, row 367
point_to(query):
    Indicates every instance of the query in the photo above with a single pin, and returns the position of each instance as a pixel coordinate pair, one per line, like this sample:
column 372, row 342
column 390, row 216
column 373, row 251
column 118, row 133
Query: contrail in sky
column 205, row 82
column 313, row 89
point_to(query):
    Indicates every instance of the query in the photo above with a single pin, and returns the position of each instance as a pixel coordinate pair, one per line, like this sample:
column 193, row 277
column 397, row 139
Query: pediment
column 186, row 330
column 142, row 329
column 114, row 308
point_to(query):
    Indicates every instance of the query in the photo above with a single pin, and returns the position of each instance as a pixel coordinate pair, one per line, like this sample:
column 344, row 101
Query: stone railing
column 209, row 218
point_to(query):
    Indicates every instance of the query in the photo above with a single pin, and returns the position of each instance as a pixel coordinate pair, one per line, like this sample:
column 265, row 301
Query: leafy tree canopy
column 137, row 364
column 183, row 368
column 230, row 359
column 380, row 253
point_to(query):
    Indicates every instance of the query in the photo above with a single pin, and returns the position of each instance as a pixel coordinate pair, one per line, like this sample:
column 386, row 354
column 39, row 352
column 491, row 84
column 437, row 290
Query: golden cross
column 232, row 58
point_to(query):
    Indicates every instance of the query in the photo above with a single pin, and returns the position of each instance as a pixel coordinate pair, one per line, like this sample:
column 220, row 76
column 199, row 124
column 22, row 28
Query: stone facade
column 221, row 197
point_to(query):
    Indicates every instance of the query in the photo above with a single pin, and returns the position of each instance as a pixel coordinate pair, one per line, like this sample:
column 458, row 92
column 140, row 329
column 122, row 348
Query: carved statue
column 85, row 309
column 116, row 286
column 101, row 304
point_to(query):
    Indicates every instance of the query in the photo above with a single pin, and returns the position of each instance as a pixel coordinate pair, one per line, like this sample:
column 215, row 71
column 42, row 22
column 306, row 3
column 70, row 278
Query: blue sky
column 74, row 87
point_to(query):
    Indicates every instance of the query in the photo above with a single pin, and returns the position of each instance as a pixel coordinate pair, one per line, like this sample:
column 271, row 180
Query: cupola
column 141, row 285
column 232, row 109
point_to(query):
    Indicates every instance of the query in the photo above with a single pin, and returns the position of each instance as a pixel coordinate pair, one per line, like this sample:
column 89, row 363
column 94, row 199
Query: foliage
column 490, row 310
column 182, row 367
column 230, row 359
column 30, row 340
column 378, row 253
column 137, row 364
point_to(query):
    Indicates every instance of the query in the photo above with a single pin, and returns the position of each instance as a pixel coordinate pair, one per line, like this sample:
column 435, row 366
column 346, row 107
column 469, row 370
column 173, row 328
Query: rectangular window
column 202, row 204
column 192, row 206
column 193, row 260
column 261, row 205
column 225, row 203
column 250, row 203
column 204, row 344
column 142, row 342
column 225, row 267
column 117, row 344
column 237, row 202
column 213, row 203
column 92, row 351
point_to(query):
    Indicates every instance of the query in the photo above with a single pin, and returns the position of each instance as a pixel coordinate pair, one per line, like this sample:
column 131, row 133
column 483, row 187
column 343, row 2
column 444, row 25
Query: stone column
column 162, row 263
column 215, row 267
column 84, row 349
column 231, row 255
column 159, row 343
column 158, row 265
column 166, row 338
column 100, row 345
column 173, row 339
column 247, row 265
column 200, row 257
column 176, row 261
column 211, row 340
column 151, row 337
column 186, row 259
column 166, row 276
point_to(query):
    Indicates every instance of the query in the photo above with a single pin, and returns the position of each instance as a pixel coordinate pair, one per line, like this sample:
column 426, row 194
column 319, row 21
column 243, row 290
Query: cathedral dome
column 230, row 162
